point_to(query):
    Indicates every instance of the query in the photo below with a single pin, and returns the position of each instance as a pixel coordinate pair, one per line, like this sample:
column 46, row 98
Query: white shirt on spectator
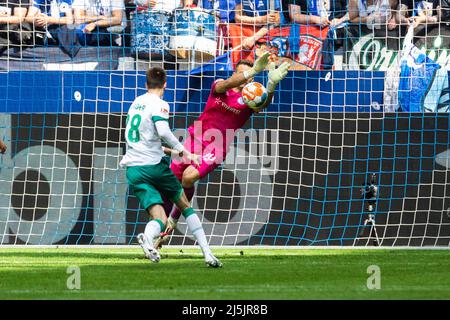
column 98, row 7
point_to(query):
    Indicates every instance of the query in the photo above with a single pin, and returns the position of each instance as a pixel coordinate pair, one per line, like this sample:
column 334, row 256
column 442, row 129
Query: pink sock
column 176, row 213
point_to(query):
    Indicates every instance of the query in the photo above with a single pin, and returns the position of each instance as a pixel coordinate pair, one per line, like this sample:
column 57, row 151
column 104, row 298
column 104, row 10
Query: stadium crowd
column 306, row 32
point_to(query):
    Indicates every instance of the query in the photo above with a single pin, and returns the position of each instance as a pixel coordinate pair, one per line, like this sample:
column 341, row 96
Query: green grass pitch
column 38, row 273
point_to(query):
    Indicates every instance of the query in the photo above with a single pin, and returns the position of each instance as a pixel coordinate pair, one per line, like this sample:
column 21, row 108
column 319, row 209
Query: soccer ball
column 254, row 95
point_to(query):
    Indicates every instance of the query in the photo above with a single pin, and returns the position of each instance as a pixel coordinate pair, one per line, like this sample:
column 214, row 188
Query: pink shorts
column 209, row 161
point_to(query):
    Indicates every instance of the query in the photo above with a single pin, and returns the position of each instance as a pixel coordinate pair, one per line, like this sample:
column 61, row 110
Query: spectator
column 50, row 15
column 225, row 8
column 226, row 11
column 130, row 7
column 443, row 10
column 96, row 19
column 316, row 16
column 151, row 25
column 12, row 14
column 257, row 12
column 339, row 12
column 13, row 11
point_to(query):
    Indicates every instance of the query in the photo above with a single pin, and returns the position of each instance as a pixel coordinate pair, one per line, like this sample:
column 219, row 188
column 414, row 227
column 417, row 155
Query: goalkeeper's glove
column 259, row 65
column 276, row 75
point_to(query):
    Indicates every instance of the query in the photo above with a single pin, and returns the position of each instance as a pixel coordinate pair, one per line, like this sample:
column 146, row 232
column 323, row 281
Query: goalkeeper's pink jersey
column 223, row 111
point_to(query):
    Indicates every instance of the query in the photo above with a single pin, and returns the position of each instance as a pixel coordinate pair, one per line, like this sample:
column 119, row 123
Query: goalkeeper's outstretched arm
column 2, row 147
column 240, row 78
column 265, row 104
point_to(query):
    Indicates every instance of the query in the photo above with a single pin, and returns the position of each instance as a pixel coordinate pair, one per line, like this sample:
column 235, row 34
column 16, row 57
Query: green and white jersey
column 143, row 142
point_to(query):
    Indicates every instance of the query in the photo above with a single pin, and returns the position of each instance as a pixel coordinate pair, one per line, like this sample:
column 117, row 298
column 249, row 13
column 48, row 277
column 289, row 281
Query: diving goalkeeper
column 225, row 110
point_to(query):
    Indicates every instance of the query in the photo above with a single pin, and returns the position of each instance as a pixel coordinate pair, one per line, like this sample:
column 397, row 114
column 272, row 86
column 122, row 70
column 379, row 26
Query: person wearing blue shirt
column 421, row 12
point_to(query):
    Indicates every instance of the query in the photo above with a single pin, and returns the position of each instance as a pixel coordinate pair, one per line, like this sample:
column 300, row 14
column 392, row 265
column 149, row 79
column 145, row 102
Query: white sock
column 152, row 230
column 195, row 226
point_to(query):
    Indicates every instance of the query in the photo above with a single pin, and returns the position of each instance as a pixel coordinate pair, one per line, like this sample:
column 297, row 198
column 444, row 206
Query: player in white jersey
column 148, row 172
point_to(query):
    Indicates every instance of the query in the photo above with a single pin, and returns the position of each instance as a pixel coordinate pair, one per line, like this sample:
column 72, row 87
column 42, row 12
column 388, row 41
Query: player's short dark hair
column 244, row 62
column 156, row 78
